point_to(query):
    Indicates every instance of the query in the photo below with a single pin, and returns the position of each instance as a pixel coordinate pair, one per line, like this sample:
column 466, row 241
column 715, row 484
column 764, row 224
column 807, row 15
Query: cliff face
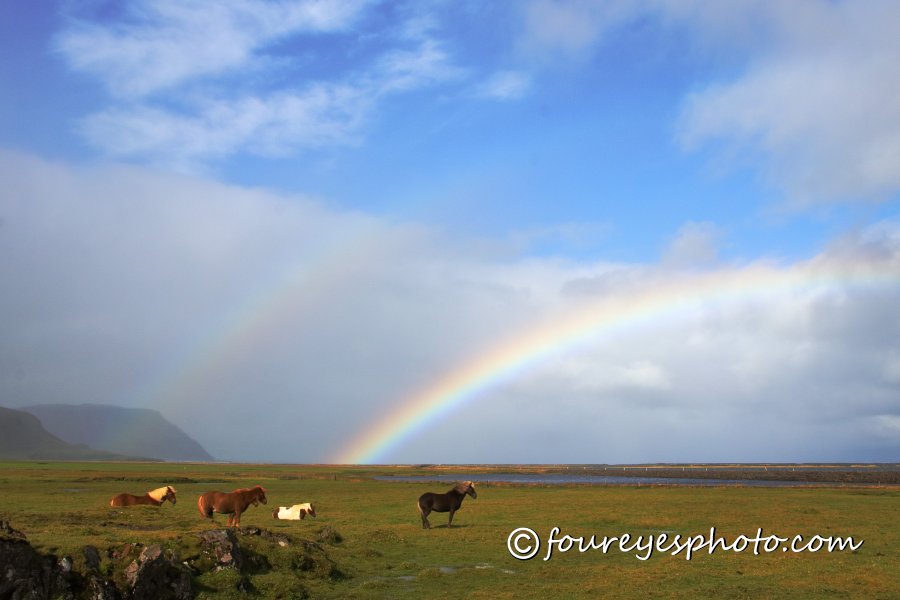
column 129, row 431
column 22, row 437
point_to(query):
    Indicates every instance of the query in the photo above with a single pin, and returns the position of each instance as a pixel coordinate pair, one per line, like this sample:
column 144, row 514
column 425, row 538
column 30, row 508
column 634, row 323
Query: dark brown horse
column 231, row 503
column 451, row 501
column 153, row 498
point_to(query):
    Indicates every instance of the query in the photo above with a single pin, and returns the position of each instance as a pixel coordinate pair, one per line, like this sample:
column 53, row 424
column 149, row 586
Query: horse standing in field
column 153, row 498
column 231, row 503
column 451, row 501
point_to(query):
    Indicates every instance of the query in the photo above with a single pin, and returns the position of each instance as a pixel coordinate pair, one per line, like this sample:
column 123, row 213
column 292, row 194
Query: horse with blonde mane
column 152, row 498
column 448, row 502
column 231, row 503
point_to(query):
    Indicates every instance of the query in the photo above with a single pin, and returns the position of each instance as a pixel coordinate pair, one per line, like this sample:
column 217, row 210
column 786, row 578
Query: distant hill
column 22, row 437
column 130, row 431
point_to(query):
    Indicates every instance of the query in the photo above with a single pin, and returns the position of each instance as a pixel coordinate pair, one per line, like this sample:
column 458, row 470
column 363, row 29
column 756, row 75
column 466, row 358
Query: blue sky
column 488, row 125
column 518, row 146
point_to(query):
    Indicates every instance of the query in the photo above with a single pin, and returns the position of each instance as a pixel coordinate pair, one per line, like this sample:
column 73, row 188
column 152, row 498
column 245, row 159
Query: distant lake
column 560, row 479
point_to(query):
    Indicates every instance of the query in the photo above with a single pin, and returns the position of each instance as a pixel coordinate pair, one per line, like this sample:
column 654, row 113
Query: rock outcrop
column 133, row 571
column 157, row 575
column 25, row 574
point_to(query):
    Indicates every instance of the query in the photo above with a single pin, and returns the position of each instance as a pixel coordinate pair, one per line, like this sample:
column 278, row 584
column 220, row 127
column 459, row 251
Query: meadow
column 369, row 542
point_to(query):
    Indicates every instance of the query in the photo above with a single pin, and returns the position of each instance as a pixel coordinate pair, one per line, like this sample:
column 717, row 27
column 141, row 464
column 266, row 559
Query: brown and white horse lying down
column 153, row 498
column 451, row 501
column 295, row 512
column 231, row 503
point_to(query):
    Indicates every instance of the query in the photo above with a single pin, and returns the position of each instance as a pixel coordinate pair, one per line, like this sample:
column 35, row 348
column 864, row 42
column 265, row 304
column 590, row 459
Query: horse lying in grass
column 152, row 498
column 295, row 512
column 451, row 501
column 231, row 503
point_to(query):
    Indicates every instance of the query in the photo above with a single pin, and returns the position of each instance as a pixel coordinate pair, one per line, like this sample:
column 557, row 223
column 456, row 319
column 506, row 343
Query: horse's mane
column 462, row 486
column 159, row 493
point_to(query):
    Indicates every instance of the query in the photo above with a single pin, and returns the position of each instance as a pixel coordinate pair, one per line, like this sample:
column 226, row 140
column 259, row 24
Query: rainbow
column 669, row 299
column 298, row 286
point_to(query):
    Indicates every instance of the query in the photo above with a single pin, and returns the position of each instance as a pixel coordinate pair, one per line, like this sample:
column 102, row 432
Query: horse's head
column 468, row 488
column 162, row 494
column 259, row 494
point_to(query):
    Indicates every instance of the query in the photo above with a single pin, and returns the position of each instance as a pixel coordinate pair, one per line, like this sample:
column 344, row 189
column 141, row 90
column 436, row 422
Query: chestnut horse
column 153, row 498
column 451, row 501
column 231, row 503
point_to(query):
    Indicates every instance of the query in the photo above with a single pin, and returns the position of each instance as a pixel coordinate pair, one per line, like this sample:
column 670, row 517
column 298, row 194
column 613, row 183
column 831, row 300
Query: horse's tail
column 201, row 506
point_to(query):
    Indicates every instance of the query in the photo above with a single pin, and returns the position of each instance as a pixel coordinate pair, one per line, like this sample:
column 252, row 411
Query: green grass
column 385, row 553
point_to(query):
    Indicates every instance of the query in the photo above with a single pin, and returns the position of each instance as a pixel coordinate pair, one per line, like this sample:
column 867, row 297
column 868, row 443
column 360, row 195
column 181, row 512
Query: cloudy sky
column 280, row 223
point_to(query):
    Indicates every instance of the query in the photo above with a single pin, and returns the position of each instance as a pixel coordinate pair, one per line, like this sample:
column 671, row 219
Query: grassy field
column 382, row 551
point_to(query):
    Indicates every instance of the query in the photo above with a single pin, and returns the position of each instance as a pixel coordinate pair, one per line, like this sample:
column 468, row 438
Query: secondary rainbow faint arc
column 299, row 284
column 457, row 387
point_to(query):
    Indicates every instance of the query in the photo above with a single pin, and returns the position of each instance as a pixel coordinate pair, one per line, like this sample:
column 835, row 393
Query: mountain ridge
column 23, row 437
column 120, row 430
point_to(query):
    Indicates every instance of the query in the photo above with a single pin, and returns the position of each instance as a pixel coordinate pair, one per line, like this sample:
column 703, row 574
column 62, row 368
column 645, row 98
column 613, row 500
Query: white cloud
column 505, row 85
column 161, row 44
column 404, row 70
column 585, row 376
column 817, row 108
column 891, row 369
column 696, row 244
column 813, row 104
column 569, row 30
column 273, row 125
column 180, row 103
column 226, row 306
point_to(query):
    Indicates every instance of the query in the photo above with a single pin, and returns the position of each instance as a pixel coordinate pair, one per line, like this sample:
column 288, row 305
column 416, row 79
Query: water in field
column 706, row 476
column 552, row 478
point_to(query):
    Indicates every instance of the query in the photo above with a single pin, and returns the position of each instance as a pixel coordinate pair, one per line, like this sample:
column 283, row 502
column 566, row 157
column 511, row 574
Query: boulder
column 26, row 574
column 91, row 558
column 156, row 576
column 222, row 548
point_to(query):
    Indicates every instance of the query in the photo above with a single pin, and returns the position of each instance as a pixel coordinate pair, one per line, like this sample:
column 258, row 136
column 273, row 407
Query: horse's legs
column 423, row 512
column 450, row 522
